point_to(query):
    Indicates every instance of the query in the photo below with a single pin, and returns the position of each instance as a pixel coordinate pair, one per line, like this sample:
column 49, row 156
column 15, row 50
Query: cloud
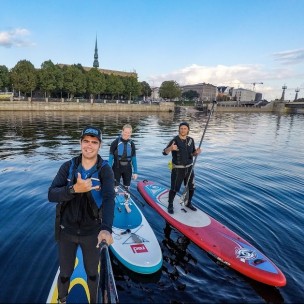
column 239, row 76
column 235, row 75
column 290, row 57
column 15, row 38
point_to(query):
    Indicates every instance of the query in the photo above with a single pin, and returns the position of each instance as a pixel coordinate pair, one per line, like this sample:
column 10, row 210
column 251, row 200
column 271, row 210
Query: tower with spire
column 96, row 63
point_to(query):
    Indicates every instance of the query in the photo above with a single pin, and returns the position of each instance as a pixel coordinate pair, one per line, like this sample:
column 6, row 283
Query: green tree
column 48, row 77
column 96, row 83
column 170, row 89
column 145, row 89
column 4, row 78
column 131, row 87
column 59, row 79
column 74, row 80
column 114, row 86
column 190, row 95
column 24, row 77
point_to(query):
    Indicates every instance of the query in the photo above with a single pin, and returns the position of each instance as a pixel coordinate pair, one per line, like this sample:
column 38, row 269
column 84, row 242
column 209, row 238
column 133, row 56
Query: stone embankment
column 273, row 106
column 84, row 106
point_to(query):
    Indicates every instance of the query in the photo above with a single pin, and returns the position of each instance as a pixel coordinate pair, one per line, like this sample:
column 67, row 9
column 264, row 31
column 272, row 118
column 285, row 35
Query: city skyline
column 233, row 43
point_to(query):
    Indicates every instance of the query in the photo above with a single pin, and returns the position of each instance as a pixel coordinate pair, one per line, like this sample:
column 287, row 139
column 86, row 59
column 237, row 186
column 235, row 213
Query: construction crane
column 254, row 83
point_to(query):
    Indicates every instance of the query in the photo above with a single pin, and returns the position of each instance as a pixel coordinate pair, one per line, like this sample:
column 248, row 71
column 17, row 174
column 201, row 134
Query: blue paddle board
column 135, row 244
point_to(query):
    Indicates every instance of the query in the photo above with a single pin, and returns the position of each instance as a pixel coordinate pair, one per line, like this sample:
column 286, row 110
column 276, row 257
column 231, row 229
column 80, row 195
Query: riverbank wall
column 272, row 107
column 74, row 106
column 84, row 106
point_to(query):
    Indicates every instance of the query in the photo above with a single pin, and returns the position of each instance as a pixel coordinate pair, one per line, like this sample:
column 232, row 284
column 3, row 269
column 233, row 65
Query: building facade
column 207, row 92
column 241, row 95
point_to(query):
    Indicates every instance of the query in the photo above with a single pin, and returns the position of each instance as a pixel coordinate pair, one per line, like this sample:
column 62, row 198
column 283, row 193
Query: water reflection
column 250, row 177
column 29, row 132
column 177, row 249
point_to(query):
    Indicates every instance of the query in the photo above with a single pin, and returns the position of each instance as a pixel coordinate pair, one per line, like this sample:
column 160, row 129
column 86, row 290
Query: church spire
column 96, row 63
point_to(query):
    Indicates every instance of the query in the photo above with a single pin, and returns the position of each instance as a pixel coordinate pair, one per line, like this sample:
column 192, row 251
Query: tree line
column 68, row 81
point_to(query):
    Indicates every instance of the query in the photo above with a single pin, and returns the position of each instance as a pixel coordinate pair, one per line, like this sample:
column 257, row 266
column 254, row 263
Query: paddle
column 133, row 196
column 107, row 292
column 185, row 196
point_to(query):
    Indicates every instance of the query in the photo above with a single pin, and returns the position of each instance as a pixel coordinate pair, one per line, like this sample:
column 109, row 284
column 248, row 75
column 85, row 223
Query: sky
column 222, row 42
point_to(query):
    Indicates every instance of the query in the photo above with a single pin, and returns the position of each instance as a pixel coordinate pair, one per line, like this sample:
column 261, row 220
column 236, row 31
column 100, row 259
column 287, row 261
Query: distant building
column 258, row 97
column 224, row 93
column 206, row 91
column 104, row 71
column 155, row 93
column 241, row 94
column 108, row 72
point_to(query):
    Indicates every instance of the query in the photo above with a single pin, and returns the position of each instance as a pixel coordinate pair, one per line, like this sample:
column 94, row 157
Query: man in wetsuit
column 183, row 149
column 84, row 191
column 122, row 157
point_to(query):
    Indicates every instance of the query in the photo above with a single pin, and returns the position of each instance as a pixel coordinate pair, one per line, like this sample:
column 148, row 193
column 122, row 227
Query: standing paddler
column 183, row 149
column 84, row 191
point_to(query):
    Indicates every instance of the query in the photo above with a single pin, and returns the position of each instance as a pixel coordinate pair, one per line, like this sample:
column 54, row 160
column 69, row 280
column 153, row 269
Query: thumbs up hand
column 83, row 185
column 174, row 147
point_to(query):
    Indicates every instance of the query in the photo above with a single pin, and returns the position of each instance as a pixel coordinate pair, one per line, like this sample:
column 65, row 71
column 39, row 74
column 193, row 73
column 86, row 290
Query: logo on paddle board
column 155, row 189
column 139, row 248
column 245, row 254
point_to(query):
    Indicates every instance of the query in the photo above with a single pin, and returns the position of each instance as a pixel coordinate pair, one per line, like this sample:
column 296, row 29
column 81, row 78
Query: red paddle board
column 212, row 236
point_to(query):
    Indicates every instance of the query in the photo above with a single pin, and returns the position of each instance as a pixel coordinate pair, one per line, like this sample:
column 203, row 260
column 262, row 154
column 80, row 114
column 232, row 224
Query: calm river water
column 250, row 177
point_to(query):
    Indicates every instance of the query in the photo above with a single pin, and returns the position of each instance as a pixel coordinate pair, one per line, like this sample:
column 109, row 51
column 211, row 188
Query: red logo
column 139, row 248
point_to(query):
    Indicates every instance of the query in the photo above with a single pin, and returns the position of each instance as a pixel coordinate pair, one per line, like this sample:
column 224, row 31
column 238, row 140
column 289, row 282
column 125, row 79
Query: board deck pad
column 214, row 237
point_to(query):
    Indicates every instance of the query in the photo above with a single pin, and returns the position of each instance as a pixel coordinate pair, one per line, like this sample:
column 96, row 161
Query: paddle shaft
column 200, row 144
column 107, row 292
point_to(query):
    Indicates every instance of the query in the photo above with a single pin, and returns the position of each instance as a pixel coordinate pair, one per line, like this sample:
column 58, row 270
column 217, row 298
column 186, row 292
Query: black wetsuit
column 182, row 160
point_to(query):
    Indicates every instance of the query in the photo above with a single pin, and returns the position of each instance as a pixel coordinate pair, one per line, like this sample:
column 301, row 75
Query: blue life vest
column 92, row 173
column 121, row 148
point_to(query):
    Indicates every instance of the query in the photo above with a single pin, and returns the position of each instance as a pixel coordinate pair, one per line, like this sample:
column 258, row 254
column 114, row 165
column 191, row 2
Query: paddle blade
column 184, row 197
column 107, row 292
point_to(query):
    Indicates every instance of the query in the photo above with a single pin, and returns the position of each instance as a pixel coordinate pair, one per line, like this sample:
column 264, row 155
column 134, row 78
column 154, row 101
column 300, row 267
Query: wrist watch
column 71, row 189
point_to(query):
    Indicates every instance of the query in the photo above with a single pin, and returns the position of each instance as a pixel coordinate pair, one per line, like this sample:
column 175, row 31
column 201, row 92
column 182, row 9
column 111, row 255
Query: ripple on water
column 249, row 177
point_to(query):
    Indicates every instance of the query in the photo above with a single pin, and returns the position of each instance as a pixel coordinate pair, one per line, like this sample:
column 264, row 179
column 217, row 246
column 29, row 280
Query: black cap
column 91, row 131
column 184, row 123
